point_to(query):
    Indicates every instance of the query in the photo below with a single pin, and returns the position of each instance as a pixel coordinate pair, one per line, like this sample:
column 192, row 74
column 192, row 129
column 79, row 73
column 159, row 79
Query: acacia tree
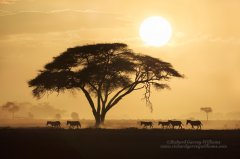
column 74, row 116
column 30, row 115
column 58, row 116
column 206, row 110
column 105, row 73
column 11, row 107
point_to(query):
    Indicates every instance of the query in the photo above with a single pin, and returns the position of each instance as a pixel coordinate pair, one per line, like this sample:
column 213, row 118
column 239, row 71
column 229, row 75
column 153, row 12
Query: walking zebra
column 55, row 124
column 73, row 124
column 164, row 123
column 175, row 123
column 197, row 123
column 147, row 123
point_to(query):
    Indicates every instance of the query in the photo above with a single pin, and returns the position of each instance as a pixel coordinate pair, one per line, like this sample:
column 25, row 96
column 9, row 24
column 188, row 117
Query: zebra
column 145, row 124
column 175, row 123
column 197, row 123
column 73, row 124
column 55, row 124
column 166, row 123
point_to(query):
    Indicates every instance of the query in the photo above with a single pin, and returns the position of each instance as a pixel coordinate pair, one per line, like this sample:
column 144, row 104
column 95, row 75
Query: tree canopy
column 206, row 110
column 10, row 107
column 105, row 71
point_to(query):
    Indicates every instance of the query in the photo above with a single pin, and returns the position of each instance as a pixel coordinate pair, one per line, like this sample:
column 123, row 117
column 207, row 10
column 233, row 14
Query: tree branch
column 89, row 100
column 117, row 97
column 116, row 100
column 139, row 88
column 118, row 93
column 139, row 75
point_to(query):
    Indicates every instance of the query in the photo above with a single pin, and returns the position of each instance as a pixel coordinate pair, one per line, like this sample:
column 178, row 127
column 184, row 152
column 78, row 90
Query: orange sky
column 205, row 47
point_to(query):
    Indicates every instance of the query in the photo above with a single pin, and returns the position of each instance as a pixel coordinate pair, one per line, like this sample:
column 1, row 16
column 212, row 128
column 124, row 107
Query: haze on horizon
column 205, row 47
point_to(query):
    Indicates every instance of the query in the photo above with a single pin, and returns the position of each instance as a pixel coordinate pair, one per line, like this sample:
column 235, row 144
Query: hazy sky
column 205, row 47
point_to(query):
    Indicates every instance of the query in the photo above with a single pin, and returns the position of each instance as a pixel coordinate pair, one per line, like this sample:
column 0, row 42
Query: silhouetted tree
column 107, row 72
column 30, row 115
column 206, row 110
column 58, row 116
column 75, row 116
column 11, row 107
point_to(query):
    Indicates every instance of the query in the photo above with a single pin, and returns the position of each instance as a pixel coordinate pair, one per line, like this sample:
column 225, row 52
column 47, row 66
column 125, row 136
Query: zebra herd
column 164, row 124
column 57, row 124
column 173, row 123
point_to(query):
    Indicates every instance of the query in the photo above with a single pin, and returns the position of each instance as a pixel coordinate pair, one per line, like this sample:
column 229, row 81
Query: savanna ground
column 41, row 142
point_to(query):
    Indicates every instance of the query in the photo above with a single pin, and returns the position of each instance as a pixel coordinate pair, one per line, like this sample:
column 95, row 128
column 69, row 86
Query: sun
column 155, row 31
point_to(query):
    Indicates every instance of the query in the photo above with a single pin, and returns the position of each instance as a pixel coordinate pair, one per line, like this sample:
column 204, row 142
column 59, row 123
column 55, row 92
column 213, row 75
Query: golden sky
column 205, row 47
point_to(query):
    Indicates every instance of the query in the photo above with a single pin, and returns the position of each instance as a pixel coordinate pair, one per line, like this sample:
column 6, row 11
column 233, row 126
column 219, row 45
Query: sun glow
column 155, row 31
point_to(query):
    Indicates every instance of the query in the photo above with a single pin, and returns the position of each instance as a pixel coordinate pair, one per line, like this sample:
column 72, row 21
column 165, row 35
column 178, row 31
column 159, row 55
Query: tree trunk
column 103, row 118
column 99, row 119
